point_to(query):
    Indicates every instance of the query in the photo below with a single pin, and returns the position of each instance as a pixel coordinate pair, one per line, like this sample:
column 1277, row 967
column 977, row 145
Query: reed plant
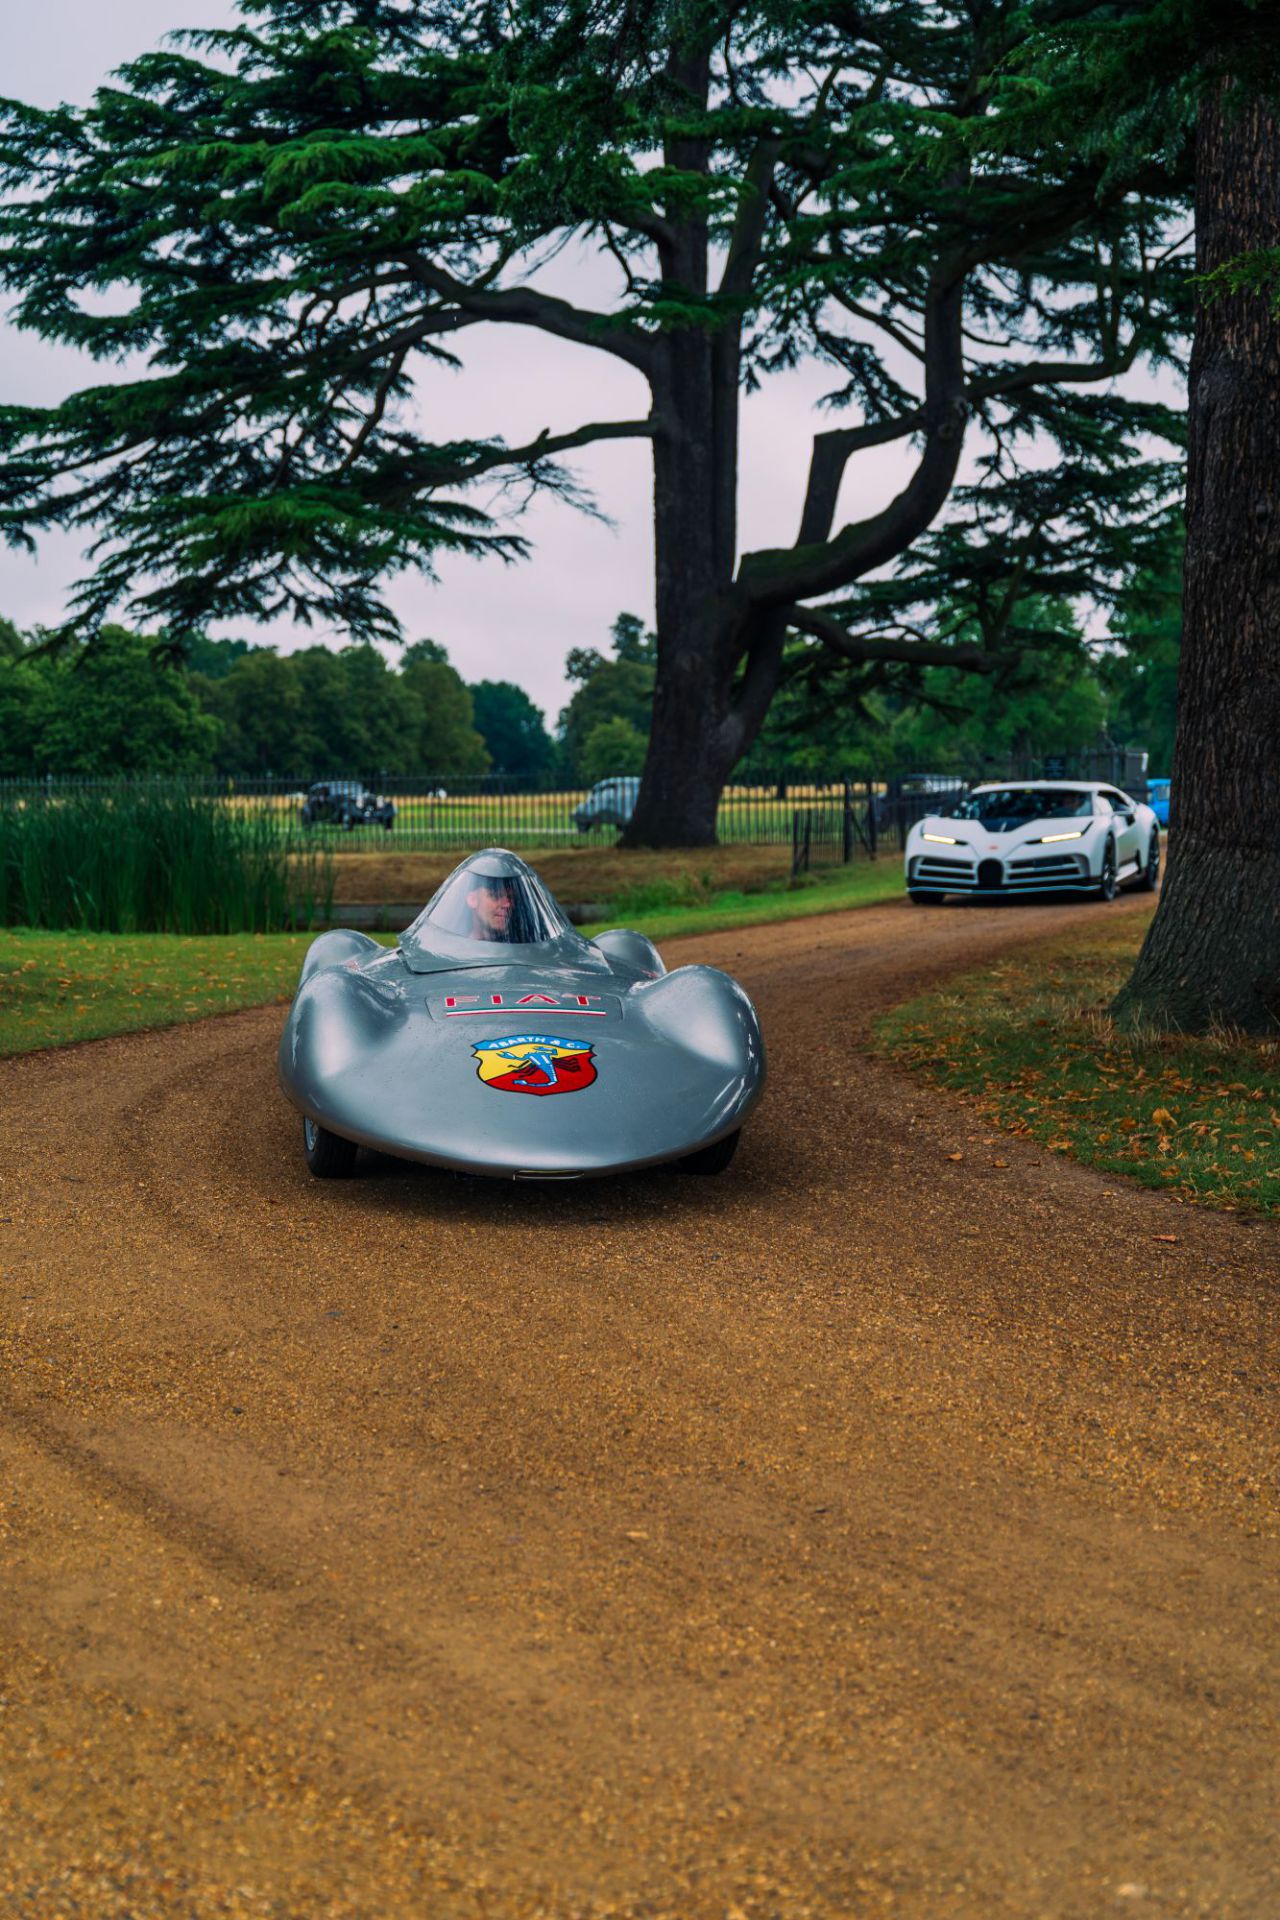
column 153, row 857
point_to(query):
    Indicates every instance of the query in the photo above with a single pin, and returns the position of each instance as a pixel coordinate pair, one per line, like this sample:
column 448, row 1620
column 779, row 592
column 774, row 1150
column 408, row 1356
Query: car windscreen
column 513, row 910
column 1004, row 808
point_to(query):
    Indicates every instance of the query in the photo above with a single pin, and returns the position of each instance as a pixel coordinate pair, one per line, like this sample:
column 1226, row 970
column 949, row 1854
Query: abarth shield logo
column 538, row 1063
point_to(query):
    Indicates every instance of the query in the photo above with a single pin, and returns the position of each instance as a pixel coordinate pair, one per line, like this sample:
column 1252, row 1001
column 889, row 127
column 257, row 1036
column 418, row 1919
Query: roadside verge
column 59, row 988
column 1029, row 1041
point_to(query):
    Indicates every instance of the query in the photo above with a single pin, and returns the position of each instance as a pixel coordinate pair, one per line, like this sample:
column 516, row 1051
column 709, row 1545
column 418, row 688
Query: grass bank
column 1030, row 1042
column 60, row 987
column 666, row 909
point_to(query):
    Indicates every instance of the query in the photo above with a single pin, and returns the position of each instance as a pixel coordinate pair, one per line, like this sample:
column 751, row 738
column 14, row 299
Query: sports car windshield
column 514, row 910
column 1004, row 808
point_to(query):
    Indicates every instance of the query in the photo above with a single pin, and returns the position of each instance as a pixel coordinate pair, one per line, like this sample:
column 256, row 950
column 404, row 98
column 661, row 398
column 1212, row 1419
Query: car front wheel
column 712, row 1159
column 328, row 1155
column 1151, row 872
column 1108, row 886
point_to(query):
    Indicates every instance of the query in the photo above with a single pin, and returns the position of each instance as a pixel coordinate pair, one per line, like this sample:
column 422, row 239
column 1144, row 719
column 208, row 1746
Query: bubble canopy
column 492, row 908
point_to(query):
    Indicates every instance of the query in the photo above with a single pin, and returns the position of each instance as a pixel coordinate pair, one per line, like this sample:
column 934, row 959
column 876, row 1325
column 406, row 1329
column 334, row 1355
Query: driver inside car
column 491, row 903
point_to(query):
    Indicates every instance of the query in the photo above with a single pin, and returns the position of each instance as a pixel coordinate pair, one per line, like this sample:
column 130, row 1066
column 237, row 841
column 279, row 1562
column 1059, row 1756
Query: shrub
column 151, row 857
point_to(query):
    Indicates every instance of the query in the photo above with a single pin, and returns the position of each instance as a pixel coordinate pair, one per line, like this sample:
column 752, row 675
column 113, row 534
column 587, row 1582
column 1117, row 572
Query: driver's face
column 492, row 910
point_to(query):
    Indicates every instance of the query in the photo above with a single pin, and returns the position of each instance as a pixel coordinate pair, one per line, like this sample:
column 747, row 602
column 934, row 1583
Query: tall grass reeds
column 153, row 857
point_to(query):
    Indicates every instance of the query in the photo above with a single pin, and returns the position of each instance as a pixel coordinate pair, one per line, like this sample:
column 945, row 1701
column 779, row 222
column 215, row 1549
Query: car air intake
column 990, row 874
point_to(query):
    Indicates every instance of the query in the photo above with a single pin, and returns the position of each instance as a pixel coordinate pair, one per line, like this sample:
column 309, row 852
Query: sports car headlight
column 1078, row 834
column 943, row 839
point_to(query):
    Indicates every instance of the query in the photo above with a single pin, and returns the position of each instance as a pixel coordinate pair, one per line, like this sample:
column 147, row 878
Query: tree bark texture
column 1212, row 954
column 689, row 758
column 694, row 382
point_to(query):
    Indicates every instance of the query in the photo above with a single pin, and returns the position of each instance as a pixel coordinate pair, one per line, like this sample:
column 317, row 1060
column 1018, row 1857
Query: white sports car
column 1035, row 836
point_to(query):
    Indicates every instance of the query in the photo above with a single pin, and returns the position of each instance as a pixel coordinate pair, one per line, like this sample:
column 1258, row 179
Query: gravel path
column 869, row 1531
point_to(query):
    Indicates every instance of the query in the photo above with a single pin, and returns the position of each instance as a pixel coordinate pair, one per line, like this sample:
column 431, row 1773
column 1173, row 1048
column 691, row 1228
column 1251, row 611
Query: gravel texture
column 887, row 1527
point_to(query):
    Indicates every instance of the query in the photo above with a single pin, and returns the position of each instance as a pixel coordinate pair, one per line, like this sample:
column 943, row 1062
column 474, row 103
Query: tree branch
column 523, row 307
column 547, row 444
column 832, row 451
column 824, row 627
column 816, row 564
column 748, row 221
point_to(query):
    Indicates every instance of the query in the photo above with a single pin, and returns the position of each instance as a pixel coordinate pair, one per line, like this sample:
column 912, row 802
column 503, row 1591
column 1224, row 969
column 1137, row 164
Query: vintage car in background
column 610, row 803
column 1034, row 836
column 346, row 804
column 909, row 796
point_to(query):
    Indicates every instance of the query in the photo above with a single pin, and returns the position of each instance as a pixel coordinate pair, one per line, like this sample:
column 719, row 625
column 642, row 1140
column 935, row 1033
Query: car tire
column 1108, row 885
column 1151, row 872
column 328, row 1155
column 712, row 1159
column 918, row 897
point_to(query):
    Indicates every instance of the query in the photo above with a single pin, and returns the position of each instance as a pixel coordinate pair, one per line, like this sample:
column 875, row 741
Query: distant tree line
column 133, row 705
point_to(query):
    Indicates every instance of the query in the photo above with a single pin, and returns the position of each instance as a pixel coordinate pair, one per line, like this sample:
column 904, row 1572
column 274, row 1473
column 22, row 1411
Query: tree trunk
column 1212, row 954
column 694, row 380
column 689, row 758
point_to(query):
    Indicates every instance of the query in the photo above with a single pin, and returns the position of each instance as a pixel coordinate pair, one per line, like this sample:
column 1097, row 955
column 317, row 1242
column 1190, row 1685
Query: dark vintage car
column 346, row 804
column 909, row 796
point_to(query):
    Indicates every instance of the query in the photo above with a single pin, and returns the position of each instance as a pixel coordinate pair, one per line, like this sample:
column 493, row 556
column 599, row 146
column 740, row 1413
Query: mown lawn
column 60, row 987
column 664, row 910
column 56, row 987
column 1030, row 1041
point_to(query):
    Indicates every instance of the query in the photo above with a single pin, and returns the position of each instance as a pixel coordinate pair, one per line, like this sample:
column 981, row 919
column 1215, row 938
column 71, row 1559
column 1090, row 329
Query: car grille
column 1034, row 871
column 1046, row 870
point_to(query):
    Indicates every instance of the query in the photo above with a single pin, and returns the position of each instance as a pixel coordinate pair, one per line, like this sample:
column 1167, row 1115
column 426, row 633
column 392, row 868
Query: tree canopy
column 295, row 218
column 513, row 730
column 110, row 708
column 128, row 705
column 614, row 694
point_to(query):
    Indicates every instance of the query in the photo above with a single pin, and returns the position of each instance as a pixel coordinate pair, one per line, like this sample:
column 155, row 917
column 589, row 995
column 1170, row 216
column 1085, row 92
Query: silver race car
column 495, row 1039
column 1035, row 836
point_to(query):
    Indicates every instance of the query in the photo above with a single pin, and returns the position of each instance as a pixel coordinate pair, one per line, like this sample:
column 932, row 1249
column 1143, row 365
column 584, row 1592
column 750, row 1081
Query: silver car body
column 548, row 1057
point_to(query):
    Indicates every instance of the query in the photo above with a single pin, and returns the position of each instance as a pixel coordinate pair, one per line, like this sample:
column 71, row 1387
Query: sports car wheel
column 328, row 1155
column 1108, row 886
column 1151, row 872
column 919, row 898
column 713, row 1159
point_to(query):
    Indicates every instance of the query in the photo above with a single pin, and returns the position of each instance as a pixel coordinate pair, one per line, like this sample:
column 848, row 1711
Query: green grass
column 1029, row 1040
column 666, row 910
column 60, row 987
column 57, row 987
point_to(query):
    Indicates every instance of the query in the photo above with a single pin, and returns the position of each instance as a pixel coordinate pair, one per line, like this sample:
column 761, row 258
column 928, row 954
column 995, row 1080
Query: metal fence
column 444, row 813
column 823, row 820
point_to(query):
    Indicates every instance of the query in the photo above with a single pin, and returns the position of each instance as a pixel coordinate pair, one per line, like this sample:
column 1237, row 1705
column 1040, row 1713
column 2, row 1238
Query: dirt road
column 865, row 1532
